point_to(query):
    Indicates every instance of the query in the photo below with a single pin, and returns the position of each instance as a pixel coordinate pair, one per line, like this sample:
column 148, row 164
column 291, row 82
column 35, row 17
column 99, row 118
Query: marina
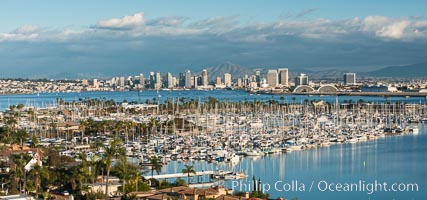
column 224, row 141
column 348, row 162
column 49, row 99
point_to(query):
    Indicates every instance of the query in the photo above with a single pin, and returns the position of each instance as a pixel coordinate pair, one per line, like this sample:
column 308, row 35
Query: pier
column 179, row 175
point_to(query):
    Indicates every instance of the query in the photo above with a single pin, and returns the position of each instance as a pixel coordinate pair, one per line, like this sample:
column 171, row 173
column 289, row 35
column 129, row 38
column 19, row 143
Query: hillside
column 233, row 69
column 407, row 71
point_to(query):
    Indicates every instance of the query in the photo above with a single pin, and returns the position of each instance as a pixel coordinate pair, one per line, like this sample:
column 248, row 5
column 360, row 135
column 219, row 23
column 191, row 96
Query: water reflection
column 391, row 159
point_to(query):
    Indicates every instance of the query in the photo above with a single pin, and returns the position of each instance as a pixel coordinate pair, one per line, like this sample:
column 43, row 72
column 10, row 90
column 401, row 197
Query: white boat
column 241, row 175
column 362, row 138
column 352, row 140
column 415, row 130
column 234, row 159
column 230, row 177
column 296, row 147
column 253, row 153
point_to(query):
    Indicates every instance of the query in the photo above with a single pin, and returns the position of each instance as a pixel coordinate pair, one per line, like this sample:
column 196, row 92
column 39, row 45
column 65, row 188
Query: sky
column 47, row 38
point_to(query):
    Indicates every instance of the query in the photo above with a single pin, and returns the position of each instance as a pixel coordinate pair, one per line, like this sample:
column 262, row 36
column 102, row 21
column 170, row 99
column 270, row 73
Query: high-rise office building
column 283, row 76
column 205, row 80
column 169, row 80
column 181, row 79
column 239, row 82
column 141, row 79
column 174, row 81
column 258, row 76
column 122, row 82
column 301, row 79
column 227, row 79
column 272, row 78
column 158, row 79
column 152, row 80
column 218, row 81
column 187, row 79
column 350, row 79
column 195, row 81
column 129, row 81
column 95, row 83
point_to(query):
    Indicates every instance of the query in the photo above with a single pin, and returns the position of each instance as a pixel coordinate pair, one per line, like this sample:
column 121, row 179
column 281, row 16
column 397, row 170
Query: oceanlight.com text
column 324, row 186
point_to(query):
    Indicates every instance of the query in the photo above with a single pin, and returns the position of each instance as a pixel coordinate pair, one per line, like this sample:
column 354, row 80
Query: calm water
column 47, row 99
column 399, row 159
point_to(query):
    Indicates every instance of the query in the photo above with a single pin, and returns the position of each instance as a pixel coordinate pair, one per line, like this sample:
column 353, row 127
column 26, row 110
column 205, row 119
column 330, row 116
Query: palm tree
column 19, row 172
column 188, row 169
column 153, row 124
column 83, row 172
column 36, row 171
column 114, row 150
column 124, row 171
column 137, row 178
column 155, row 166
column 82, row 127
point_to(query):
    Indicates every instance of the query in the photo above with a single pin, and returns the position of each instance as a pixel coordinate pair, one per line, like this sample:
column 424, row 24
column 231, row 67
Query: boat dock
column 179, row 175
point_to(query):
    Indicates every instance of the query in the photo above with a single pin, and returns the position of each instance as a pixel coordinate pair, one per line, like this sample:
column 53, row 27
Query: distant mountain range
column 415, row 70
column 408, row 71
column 228, row 67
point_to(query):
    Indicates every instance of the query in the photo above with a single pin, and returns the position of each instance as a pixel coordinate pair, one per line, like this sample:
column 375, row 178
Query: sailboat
column 414, row 129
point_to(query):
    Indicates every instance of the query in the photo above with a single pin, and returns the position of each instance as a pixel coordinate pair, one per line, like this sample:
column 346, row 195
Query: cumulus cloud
column 23, row 33
column 126, row 22
column 173, row 42
column 403, row 28
column 394, row 30
column 27, row 29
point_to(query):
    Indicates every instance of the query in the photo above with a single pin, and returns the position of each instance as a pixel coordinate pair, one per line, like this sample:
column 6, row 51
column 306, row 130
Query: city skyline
column 147, row 36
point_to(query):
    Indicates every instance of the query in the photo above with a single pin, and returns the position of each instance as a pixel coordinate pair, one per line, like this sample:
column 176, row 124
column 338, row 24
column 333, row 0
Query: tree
column 188, row 169
column 124, row 171
column 114, row 150
column 19, row 136
column 35, row 172
column 155, row 166
column 153, row 124
column 19, row 173
column 82, row 127
column 83, row 171
column 35, row 141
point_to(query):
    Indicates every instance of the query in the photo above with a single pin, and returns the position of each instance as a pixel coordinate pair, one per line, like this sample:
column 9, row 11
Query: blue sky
column 62, row 13
column 102, row 36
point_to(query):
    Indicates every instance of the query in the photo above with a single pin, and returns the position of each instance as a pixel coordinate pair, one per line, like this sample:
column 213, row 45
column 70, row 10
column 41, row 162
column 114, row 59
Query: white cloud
column 394, row 30
column 17, row 37
column 24, row 33
column 403, row 28
column 218, row 25
column 229, row 27
column 27, row 29
column 167, row 21
column 374, row 23
column 126, row 22
column 178, row 41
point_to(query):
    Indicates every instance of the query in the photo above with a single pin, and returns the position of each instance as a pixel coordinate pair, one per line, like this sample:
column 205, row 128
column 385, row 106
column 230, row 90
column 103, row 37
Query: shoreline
column 374, row 94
